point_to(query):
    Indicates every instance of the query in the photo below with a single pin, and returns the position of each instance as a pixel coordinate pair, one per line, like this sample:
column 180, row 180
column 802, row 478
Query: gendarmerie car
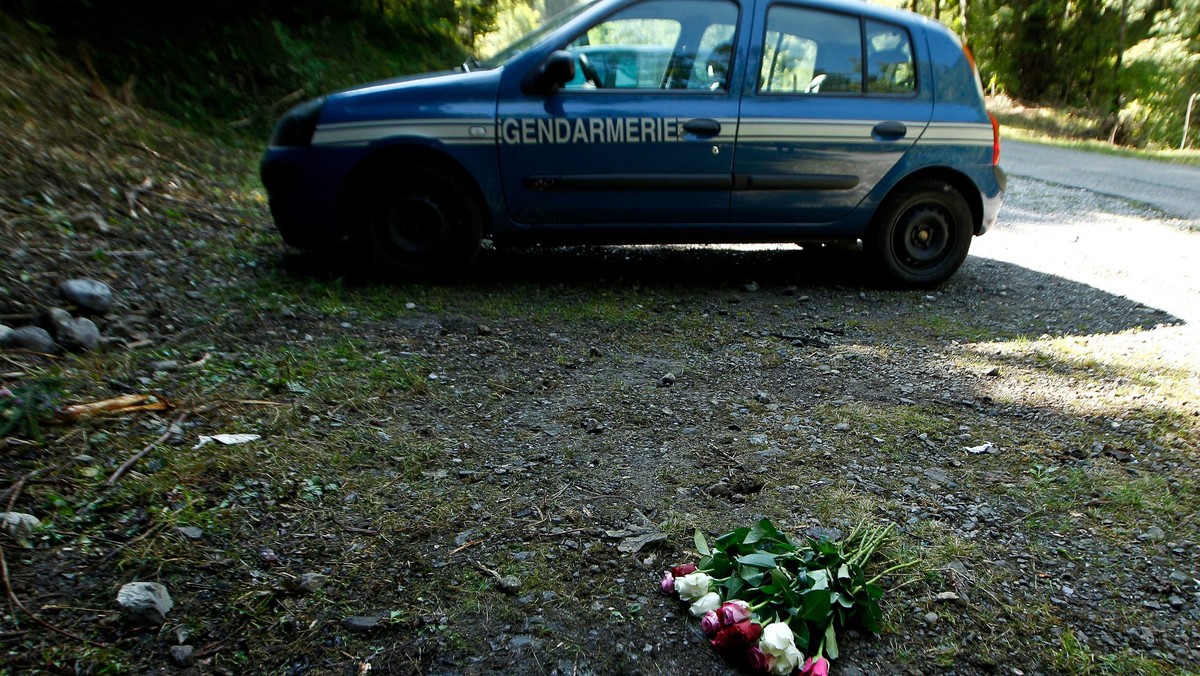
column 659, row 121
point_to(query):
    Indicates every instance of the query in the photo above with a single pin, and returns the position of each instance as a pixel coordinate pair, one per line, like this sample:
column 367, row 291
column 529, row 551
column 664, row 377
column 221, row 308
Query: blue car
column 659, row 121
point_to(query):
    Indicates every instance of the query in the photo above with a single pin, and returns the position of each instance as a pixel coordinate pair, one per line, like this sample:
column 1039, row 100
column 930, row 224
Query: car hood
column 441, row 94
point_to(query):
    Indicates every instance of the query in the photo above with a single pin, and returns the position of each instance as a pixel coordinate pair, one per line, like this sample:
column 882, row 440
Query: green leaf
column 720, row 565
column 733, row 538
column 758, row 560
column 733, row 586
column 765, row 531
column 831, row 649
column 752, row 576
column 701, row 543
column 844, row 572
column 803, row 637
column 820, row 579
column 874, row 591
column 790, row 596
column 815, row 605
column 872, row 618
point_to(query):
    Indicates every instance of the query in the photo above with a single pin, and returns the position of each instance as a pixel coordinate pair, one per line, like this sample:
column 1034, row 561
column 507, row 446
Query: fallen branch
column 249, row 119
column 15, row 490
column 12, row 596
column 123, row 404
column 128, row 464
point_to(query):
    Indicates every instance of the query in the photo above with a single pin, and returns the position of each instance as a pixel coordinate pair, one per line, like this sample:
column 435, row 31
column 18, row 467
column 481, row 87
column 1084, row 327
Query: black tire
column 921, row 235
column 421, row 225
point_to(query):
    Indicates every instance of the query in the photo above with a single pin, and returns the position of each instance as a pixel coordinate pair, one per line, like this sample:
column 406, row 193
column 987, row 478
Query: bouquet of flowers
column 766, row 603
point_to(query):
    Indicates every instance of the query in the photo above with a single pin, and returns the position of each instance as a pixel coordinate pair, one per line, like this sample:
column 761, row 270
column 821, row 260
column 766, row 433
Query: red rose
column 685, row 569
column 758, row 661
column 733, row 639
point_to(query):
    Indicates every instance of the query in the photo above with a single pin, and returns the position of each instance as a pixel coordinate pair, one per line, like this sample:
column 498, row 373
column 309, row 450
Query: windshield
column 529, row 39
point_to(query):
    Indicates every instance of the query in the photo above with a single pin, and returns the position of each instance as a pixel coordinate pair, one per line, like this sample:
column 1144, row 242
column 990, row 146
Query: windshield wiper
column 470, row 63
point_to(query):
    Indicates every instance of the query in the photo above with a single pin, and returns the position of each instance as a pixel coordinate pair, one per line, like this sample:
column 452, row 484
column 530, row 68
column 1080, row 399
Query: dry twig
column 125, row 466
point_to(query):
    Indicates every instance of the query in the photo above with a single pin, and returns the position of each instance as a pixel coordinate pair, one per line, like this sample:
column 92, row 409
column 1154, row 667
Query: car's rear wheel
column 421, row 224
column 921, row 235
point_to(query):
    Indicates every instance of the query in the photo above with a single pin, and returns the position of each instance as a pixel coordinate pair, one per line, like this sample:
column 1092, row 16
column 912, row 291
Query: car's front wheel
column 921, row 235
column 421, row 224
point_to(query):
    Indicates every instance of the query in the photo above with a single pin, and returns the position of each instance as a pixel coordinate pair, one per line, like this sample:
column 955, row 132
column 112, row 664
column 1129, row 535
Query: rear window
column 812, row 52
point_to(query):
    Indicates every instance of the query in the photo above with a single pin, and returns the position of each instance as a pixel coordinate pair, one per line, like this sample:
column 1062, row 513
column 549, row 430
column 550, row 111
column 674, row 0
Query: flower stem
column 893, row 569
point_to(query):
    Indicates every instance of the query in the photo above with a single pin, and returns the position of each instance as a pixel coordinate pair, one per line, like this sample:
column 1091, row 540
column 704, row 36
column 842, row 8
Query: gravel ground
column 417, row 439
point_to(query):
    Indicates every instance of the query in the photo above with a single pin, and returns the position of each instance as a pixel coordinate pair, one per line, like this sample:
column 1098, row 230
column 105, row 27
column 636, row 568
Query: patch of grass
column 28, row 405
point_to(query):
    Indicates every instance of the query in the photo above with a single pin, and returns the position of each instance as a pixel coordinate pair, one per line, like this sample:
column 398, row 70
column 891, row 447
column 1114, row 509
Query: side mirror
column 557, row 70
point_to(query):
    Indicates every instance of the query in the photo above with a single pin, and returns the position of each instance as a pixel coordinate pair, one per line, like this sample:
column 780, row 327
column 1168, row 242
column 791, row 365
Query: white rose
column 779, row 642
column 693, row 585
column 710, row 601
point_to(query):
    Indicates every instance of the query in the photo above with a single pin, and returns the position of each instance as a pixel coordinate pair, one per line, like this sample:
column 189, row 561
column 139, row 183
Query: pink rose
column 668, row 583
column 815, row 666
column 758, row 661
column 711, row 624
column 732, row 640
column 732, row 612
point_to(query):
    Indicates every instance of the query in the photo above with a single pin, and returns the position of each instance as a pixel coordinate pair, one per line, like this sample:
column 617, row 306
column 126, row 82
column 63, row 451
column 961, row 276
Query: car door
column 835, row 102
column 644, row 133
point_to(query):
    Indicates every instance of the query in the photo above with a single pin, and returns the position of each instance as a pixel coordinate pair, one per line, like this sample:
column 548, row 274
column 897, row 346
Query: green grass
column 1077, row 130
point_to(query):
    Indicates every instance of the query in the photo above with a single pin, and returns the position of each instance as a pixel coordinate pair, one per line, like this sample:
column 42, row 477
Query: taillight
column 995, row 140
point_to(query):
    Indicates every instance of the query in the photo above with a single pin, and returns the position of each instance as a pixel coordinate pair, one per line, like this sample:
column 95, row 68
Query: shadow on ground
column 1000, row 300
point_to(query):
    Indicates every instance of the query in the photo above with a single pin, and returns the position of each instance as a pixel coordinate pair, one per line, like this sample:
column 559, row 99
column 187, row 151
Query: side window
column 658, row 44
column 811, row 52
column 711, row 67
column 890, row 68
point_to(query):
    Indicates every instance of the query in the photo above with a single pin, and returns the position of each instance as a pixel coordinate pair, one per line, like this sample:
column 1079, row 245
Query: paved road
column 1172, row 188
column 1130, row 227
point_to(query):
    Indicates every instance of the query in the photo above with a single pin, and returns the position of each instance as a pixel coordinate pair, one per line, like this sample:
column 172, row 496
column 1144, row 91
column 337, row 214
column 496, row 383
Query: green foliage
column 223, row 62
column 1128, row 64
column 514, row 18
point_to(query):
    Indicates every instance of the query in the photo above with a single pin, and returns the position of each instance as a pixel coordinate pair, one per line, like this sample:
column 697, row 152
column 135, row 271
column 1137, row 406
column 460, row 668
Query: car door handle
column 891, row 129
column 702, row 127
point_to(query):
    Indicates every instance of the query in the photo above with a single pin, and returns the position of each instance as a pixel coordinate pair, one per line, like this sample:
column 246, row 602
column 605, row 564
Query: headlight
column 296, row 126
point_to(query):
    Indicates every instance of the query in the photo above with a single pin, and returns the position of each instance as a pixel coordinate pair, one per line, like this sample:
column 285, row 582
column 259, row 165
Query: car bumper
column 302, row 200
column 992, row 199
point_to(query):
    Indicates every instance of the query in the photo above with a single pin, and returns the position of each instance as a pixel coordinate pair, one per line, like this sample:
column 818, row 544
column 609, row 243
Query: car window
column 811, row 52
column 659, row 44
column 890, row 68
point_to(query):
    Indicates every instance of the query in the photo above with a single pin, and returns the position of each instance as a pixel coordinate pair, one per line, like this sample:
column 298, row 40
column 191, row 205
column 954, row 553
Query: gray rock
column 667, row 380
column 79, row 335
column 183, row 655
column 762, row 398
column 510, row 584
column 88, row 295
column 361, row 623
column 931, row 618
column 190, row 532
column 5, row 332
column 311, row 582
column 164, row 365
column 19, row 526
column 1153, row 534
column 54, row 318
column 841, row 427
column 33, row 338
column 145, row 602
